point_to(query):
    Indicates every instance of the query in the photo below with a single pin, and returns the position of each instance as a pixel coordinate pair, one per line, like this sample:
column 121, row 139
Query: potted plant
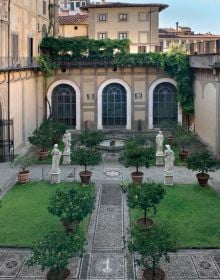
column 85, row 157
column 145, row 197
column 136, row 155
column 203, row 162
column 152, row 244
column 171, row 127
column 91, row 138
column 71, row 207
column 184, row 138
column 23, row 162
column 53, row 252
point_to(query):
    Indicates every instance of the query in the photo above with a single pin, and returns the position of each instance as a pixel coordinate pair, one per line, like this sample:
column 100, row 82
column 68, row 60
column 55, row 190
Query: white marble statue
column 67, row 141
column 169, row 161
column 56, row 155
column 159, row 142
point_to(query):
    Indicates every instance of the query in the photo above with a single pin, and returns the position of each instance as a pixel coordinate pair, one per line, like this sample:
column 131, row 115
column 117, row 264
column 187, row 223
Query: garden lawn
column 24, row 216
column 193, row 214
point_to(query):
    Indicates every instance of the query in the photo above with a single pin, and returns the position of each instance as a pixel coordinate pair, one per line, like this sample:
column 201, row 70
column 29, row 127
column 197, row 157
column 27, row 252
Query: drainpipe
column 9, row 18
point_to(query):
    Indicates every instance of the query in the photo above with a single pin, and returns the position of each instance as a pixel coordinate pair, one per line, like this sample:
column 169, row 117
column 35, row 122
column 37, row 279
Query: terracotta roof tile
column 74, row 19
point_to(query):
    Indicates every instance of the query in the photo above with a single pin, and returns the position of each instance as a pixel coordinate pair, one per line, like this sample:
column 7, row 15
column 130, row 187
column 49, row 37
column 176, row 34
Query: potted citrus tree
column 136, row 155
column 85, row 156
column 145, row 197
column 152, row 244
column 54, row 251
column 203, row 162
column 91, row 138
column 171, row 127
column 23, row 162
column 71, row 207
column 183, row 139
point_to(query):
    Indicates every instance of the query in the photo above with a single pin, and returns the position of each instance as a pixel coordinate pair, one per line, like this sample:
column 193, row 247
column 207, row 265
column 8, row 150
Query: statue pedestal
column 66, row 158
column 160, row 159
column 55, row 177
column 168, row 179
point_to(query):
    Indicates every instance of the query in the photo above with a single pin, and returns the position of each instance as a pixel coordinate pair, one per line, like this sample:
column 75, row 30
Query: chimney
column 177, row 26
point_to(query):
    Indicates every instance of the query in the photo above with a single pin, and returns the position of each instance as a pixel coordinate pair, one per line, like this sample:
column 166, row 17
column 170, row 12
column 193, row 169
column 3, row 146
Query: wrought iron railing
column 11, row 63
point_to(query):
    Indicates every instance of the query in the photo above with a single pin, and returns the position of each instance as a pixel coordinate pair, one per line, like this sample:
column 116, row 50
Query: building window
column 14, row 45
column 123, row 35
column 72, row 6
column 30, row 49
column 123, row 17
column 142, row 16
column 165, row 106
column 77, row 4
column 102, row 35
column 114, row 105
column 142, row 49
column 44, row 7
column 83, row 4
column 102, row 17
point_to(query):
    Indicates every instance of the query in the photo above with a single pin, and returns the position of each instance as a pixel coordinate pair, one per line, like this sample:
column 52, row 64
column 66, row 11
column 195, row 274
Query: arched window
column 64, row 104
column 165, row 105
column 114, row 105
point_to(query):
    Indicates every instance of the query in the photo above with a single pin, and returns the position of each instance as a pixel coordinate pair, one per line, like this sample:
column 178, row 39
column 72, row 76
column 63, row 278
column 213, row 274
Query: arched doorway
column 165, row 105
column 114, row 106
column 64, row 104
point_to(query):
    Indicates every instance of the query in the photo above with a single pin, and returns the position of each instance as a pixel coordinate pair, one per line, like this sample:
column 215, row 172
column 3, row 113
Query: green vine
column 46, row 66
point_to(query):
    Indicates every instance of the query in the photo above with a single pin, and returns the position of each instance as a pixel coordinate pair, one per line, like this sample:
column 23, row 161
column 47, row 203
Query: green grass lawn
column 24, row 216
column 192, row 212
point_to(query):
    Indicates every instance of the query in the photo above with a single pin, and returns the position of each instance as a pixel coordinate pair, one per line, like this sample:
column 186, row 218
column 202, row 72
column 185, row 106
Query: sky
column 201, row 15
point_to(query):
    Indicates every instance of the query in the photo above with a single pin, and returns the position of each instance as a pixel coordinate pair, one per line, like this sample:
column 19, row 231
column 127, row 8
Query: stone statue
column 67, row 141
column 56, row 155
column 159, row 142
column 169, row 161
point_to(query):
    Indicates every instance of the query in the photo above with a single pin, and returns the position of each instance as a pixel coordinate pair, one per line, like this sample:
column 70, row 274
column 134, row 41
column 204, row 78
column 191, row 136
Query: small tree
column 91, row 138
column 184, row 138
column 202, row 161
column 152, row 244
column 145, row 197
column 136, row 155
column 53, row 252
column 71, row 206
column 23, row 162
column 85, row 157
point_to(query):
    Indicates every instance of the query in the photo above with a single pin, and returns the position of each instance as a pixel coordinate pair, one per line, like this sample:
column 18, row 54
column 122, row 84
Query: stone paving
column 105, row 256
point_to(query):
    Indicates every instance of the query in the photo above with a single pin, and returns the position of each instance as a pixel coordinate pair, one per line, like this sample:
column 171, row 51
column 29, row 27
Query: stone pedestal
column 66, row 158
column 160, row 159
column 168, row 179
column 55, row 177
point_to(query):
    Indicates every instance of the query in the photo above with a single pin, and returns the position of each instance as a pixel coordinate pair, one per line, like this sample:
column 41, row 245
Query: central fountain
column 112, row 145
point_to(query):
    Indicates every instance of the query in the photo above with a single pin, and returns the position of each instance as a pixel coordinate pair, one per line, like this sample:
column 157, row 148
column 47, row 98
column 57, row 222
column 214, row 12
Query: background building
column 73, row 26
column 182, row 36
column 71, row 7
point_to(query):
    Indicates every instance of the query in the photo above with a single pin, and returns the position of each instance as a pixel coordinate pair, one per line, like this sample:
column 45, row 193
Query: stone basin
column 112, row 145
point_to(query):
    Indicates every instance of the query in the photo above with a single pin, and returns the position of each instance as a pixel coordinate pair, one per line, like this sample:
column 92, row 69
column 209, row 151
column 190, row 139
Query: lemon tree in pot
column 54, row 251
column 145, row 197
column 136, row 155
column 23, row 162
column 85, row 156
column 152, row 244
column 203, row 162
column 71, row 207
column 183, row 139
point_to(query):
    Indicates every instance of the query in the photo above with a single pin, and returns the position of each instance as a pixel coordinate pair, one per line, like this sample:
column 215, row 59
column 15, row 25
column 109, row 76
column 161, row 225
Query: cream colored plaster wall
column 70, row 31
column 205, row 113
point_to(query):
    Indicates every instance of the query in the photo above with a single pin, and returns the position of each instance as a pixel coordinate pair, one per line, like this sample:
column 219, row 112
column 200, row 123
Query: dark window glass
column 123, row 17
column 102, row 17
column 165, row 105
column 44, row 7
column 64, row 104
column 114, row 105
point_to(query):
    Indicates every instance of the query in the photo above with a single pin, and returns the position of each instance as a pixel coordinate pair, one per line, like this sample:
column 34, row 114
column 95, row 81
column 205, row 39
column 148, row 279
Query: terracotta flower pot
column 202, row 179
column 23, row 177
column 43, row 154
column 85, row 177
column 159, row 274
column 62, row 274
column 137, row 178
column 183, row 155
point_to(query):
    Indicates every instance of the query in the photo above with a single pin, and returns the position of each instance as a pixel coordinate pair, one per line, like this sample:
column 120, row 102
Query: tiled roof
column 119, row 5
column 74, row 19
